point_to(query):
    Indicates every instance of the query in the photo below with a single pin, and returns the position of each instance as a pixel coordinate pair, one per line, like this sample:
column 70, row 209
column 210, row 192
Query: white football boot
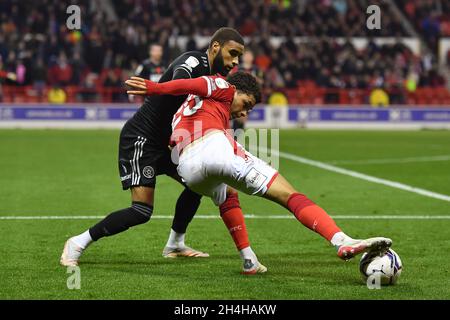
column 373, row 246
column 71, row 254
column 251, row 267
column 170, row 252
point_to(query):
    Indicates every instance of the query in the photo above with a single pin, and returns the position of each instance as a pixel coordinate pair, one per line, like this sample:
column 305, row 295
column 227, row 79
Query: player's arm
column 181, row 73
column 187, row 66
column 199, row 86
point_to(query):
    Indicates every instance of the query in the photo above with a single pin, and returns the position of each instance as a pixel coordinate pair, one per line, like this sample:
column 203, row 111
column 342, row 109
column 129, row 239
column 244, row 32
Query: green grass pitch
column 74, row 173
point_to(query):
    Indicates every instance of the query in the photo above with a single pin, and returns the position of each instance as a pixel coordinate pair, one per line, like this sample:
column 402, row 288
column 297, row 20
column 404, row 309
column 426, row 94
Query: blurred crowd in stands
column 115, row 36
column 430, row 17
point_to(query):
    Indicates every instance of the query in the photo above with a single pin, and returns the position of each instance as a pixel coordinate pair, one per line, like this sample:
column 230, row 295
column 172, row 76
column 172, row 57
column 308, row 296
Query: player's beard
column 219, row 66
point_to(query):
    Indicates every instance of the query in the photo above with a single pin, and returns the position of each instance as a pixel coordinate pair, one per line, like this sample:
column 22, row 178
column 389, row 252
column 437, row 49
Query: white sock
column 339, row 238
column 83, row 240
column 176, row 240
column 247, row 253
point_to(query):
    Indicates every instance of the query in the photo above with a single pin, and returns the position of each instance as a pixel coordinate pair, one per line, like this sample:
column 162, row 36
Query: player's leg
column 233, row 217
column 139, row 212
column 193, row 167
column 116, row 222
column 185, row 209
column 306, row 211
column 136, row 171
column 315, row 218
column 231, row 213
column 254, row 176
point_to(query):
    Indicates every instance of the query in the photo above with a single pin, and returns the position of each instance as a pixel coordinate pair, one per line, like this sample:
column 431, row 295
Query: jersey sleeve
column 219, row 89
column 214, row 88
column 187, row 66
column 177, row 87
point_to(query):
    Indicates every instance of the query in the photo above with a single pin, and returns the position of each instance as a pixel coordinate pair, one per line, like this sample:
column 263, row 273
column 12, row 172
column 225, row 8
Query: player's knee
column 280, row 196
column 280, row 191
column 142, row 212
column 187, row 204
column 190, row 196
column 231, row 191
column 143, row 194
column 299, row 201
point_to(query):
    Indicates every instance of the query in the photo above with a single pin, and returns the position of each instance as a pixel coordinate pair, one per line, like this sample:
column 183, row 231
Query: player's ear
column 235, row 99
column 215, row 48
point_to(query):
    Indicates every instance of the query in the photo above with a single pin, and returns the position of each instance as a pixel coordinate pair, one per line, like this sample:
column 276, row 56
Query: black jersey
column 154, row 118
column 149, row 70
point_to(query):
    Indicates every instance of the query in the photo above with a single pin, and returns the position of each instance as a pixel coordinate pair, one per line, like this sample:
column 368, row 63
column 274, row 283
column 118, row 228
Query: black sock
column 121, row 220
column 187, row 205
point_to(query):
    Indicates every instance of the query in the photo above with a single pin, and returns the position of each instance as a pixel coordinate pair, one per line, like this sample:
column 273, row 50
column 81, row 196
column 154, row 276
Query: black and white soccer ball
column 385, row 268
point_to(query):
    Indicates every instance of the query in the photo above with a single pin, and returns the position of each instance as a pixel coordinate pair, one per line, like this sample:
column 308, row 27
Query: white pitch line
column 247, row 216
column 50, row 217
column 392, row 160
column 362, row 176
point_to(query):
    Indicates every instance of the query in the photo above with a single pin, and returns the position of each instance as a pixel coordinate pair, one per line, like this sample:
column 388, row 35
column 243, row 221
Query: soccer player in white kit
column 211, row 163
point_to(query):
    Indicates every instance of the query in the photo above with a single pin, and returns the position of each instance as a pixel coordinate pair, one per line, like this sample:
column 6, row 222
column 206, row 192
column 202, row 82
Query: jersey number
column 186, row 110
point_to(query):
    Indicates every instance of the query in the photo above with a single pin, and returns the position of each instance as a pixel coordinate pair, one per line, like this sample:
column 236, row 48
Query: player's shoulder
column 219, row 82
column 193, row 60
column 219, row 89
column 199, row 55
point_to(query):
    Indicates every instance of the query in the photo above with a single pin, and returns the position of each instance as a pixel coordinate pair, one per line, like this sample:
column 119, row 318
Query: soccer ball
column 387, row 267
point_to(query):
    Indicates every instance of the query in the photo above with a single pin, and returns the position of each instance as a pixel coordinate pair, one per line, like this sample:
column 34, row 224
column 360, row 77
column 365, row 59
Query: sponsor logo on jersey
column 222, row 84
column 255, row 178
column 192, row 62
column 127, row 177
column 148, row 172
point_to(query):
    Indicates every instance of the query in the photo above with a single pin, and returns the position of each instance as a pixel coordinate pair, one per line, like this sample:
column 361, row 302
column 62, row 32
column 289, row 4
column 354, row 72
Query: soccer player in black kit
column 152, row 68
column 144, row 153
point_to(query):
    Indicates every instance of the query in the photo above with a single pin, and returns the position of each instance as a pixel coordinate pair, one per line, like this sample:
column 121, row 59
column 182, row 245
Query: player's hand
column 141, row 86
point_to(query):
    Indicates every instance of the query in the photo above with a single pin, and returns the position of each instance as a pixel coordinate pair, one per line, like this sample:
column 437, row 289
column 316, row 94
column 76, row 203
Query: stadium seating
column 325, row 70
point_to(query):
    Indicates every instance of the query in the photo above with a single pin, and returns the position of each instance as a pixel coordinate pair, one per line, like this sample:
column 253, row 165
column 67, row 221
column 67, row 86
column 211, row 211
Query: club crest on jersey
column 148, row 172
column 222, row 84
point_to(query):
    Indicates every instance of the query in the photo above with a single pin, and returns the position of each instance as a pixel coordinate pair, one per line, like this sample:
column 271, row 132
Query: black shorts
column 141, row 159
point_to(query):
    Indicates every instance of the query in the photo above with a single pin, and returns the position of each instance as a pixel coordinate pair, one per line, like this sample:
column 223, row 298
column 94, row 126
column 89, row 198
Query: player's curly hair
column 245, row 83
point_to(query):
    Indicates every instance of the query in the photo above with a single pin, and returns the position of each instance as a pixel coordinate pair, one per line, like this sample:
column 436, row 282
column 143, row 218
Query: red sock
column 232, row 216
column 312, row 216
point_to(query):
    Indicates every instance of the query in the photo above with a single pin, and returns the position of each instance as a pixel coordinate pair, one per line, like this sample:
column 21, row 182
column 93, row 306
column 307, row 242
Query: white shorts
column 211, row 163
